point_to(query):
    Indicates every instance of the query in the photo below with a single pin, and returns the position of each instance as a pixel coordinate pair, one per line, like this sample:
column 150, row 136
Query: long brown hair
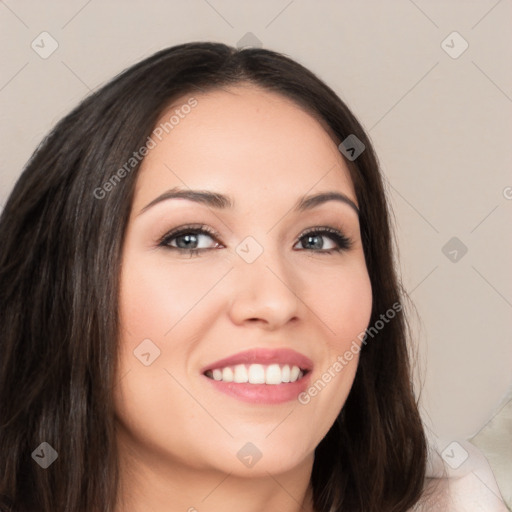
column 59, row 281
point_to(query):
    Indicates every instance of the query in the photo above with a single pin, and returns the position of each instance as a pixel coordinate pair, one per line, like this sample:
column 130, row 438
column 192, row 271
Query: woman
column 198, row 303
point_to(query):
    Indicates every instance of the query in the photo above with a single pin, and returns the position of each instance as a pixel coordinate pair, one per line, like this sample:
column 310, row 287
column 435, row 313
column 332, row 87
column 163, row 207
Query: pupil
column 318, row 245
column 188, row 240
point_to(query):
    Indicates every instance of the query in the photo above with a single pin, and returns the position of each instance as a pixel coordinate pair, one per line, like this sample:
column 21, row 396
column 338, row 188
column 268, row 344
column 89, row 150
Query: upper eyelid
column 204, row 229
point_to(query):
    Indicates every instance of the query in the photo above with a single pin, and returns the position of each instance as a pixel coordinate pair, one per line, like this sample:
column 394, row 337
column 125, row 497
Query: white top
column 460, row 479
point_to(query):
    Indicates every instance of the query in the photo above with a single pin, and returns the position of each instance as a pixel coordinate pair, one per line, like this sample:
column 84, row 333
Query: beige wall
column 441, row 126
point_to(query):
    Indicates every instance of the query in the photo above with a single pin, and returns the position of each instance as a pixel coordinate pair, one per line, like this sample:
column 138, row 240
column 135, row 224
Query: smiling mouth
column 271, row 374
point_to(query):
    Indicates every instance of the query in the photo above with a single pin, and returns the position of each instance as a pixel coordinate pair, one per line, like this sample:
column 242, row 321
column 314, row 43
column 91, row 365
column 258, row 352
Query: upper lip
column 264, row 356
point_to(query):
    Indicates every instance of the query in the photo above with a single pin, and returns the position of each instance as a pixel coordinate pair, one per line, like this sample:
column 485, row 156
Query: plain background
column 441, row 124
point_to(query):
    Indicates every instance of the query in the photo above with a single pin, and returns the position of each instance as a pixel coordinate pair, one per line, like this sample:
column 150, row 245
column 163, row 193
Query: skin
column 178, row 436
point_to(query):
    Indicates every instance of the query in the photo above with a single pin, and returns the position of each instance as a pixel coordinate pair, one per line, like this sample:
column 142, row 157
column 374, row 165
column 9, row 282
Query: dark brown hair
column 59, row 283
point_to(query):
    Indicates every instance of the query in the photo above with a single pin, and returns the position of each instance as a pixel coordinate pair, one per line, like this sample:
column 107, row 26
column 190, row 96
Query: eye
column 186, row 240
column 314, row 238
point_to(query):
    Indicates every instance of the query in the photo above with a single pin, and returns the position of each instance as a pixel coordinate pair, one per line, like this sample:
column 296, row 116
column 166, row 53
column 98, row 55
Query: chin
column 258, row 458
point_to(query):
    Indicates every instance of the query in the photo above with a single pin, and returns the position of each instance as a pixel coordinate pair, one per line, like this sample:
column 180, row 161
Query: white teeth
column 227, row 374
column 257, row 374
column 294, row 373
column 241, row 374
column 285, row 373
column 273, row 374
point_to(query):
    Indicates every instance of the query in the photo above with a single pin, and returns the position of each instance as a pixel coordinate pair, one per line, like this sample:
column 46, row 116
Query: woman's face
column 261, row 299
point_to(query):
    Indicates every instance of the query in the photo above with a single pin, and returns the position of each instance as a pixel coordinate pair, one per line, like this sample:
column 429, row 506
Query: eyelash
column 344, row 243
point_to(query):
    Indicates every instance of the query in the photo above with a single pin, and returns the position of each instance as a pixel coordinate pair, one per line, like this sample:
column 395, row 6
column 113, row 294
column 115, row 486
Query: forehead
column 245, row 140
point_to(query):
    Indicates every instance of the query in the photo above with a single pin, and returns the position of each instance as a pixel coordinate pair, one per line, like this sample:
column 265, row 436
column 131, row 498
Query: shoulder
column 459, row 494
column 471, row 487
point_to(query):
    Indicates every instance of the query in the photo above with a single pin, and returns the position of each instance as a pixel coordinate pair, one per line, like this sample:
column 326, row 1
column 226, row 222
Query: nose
column 264, row 292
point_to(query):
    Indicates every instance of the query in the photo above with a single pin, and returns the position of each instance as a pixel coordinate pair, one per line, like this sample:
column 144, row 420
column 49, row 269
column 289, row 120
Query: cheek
column 342, row 300
column 157, row 302
column 345, row 310
column 156, row 294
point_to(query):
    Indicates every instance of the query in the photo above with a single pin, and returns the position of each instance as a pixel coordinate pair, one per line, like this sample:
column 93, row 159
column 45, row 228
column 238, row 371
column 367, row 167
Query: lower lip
column 262, row 393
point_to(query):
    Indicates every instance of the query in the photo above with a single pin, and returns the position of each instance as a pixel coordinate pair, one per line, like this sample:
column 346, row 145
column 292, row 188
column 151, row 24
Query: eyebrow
column 221, row 201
